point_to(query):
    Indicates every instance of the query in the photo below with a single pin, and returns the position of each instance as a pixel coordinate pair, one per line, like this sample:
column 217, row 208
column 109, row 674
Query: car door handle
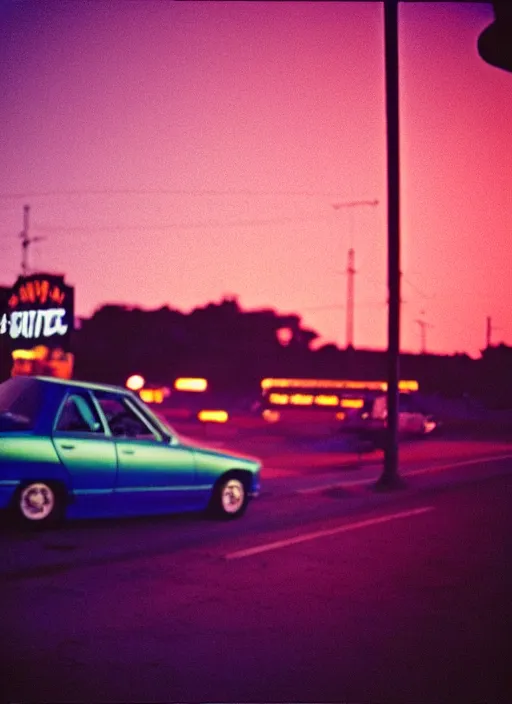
column 127, row 452
column 64, row 446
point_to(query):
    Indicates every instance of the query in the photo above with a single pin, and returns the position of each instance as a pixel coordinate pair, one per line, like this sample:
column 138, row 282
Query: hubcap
column 233, row 495
column 37, row 501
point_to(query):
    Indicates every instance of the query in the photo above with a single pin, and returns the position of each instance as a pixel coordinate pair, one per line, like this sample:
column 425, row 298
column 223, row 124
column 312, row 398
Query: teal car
column 72, row 449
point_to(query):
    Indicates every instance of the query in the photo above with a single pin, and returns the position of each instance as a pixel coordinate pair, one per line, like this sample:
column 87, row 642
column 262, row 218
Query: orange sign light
column 279, row 399
column 325, row 400
column 190, row 384
column 352, row 402
column 152, row 395
column 302, row 399
column 270, row 383
column 213, row 416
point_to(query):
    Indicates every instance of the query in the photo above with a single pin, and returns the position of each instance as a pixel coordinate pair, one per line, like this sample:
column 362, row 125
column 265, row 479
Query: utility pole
column 490, row 329
column 389, row 478
column 26, row 241
column 423, row 333
column 350, row 271
column 423, row 326
column 350, row 297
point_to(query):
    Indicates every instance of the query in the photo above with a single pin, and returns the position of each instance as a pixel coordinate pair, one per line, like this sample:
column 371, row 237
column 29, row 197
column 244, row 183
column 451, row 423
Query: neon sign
column 40, row 311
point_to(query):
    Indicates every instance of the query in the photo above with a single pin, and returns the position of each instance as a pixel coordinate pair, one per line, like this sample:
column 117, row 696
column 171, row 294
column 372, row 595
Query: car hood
column 222, row 454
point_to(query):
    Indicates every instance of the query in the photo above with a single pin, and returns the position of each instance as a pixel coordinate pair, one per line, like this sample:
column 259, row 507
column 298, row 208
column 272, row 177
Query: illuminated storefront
column 38, row 325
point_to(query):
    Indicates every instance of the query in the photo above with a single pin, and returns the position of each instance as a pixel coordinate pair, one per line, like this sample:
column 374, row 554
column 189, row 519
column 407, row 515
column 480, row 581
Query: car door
column 86, row 451
column 154, row 475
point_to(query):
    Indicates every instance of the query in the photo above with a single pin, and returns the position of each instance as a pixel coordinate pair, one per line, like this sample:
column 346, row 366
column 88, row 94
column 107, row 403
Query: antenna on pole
column 423, row 326
column 26, row 241
column 490, row 328
column 350, row 271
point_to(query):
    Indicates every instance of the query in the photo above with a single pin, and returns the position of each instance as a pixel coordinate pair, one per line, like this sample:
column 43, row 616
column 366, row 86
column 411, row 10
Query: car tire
column 229, row 498
column 39, row 504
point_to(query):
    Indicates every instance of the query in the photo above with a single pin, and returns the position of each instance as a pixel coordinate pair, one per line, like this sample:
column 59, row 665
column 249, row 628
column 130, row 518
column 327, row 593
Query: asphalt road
column 323, row 592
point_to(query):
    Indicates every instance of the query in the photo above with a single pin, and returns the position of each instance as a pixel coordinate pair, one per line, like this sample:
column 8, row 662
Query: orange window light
column 213, row 416
column 190, row 384
column 279, row 399
column 407, row 386
column 352, row 402
column 23, row 354
column 302, row 399
column 325, row 400
column 152, row 395
column 269, row 383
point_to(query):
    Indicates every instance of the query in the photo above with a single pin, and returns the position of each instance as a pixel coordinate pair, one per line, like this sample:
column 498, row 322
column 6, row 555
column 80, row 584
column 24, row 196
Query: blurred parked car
column 76, row 449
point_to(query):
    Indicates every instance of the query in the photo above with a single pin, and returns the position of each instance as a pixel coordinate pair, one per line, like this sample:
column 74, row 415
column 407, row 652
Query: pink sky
column 176, row 152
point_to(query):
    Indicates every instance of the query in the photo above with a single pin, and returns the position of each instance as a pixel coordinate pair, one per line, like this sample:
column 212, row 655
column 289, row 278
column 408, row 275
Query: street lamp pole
column 389, row 478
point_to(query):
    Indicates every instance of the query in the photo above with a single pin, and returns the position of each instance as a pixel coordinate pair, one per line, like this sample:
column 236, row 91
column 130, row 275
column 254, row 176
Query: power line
column 419, row 291
column 176, row 225
column 179, row 192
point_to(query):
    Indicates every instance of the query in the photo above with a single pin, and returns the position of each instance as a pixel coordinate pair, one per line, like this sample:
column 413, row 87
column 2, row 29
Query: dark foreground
column 405, row 601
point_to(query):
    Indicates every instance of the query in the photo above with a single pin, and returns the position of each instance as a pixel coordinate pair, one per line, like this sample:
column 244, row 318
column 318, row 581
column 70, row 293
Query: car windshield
column 20, row 401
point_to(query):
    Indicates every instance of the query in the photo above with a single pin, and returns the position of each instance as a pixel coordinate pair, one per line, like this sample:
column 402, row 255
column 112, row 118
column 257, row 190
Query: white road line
column 414, row 472
column 324, row 533
column 462, row 463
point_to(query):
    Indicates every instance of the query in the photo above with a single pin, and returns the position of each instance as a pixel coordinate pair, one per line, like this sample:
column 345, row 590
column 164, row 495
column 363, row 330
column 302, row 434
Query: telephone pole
column 26, row 241
column 490, row 328
column 350, row 297
column 350, row 271
column 390, row 478
column 423, row 327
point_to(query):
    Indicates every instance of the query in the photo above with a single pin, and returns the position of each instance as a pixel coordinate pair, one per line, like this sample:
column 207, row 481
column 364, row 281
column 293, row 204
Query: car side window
column 78, row 415
column 123, row 420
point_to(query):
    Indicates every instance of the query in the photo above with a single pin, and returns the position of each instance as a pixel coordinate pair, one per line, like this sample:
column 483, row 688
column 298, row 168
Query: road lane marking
column 324, row 533
column 462, row 463
column 414, row 472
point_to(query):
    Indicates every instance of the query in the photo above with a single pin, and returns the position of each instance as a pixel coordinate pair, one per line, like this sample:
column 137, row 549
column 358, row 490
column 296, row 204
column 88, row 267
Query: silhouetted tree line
column 235, row 349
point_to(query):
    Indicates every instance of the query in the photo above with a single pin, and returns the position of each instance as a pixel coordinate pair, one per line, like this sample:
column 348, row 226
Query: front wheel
column 230, row 498
column 39, row 504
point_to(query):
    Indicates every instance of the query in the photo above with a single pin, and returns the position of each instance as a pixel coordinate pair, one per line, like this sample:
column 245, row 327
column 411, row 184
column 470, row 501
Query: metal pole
column 389, row 478
column 350, row 298
column 25, row 241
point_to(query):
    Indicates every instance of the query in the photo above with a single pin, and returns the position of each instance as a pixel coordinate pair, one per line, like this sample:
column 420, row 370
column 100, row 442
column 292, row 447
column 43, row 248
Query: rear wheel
column 230, row 497
column 39, row 504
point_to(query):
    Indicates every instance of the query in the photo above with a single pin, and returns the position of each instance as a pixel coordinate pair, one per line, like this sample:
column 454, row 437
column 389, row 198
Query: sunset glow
column 173, row 153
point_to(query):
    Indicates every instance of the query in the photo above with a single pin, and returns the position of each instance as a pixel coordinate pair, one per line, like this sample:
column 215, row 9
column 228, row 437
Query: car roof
column 91, row 385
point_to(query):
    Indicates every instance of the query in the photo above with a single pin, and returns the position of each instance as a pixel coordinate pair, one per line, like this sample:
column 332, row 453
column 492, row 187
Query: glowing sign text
column 32, row 324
